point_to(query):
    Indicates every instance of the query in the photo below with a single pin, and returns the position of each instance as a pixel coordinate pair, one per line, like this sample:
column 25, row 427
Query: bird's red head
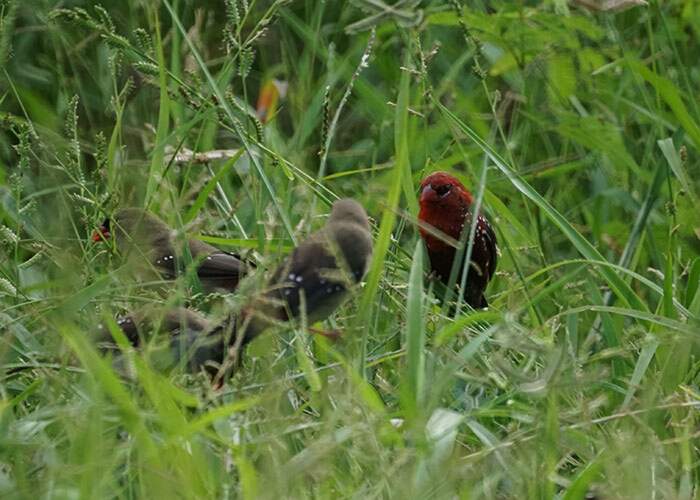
column 444, row 203
column 440, row 188
column 102, row 233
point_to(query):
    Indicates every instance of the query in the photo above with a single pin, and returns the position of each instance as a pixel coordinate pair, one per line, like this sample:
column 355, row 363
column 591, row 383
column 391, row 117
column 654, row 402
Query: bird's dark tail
column 475, row 297
column 483, row 304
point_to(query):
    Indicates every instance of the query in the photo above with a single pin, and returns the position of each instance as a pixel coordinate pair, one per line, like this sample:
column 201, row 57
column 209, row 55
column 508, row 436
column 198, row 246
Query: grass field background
column 578, row 131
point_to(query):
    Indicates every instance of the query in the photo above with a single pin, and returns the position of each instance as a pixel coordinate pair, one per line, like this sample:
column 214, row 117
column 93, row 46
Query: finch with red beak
column 142, row 236
column 445, row 204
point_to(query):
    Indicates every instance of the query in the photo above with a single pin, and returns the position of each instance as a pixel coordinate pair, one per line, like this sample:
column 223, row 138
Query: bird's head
column 129, row 221
column 349, row 211
column 440, row 189
column 103, row 233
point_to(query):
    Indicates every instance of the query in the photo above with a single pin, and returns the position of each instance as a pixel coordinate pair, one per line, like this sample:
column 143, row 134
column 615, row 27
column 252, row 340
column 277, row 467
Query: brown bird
column 314, row 280
column 191, row 340
column 142, row 236
column 445, row 204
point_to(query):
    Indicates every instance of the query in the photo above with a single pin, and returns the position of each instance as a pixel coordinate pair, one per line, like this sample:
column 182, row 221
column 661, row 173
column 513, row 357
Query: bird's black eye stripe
column 443, row 189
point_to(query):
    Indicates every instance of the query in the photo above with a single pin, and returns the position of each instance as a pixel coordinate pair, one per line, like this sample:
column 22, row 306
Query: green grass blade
column 640, row 369
column 691, row 291
column 157, row 161
column 401, row 141
column 209, row 187
column 306, row 363
column 453, row 328
column 679, row 170
column 415, row 329
column 580, row 486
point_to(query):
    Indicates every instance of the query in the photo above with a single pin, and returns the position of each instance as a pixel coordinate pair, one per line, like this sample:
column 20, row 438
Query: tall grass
column 579, row 130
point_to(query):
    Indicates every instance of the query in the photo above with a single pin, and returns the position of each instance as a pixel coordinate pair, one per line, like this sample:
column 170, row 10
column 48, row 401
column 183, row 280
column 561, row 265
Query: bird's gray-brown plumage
column 314, row 280
column 143, row 237
column 187, row 338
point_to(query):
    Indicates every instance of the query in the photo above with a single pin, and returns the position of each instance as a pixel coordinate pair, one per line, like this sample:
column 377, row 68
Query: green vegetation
column 579, row 129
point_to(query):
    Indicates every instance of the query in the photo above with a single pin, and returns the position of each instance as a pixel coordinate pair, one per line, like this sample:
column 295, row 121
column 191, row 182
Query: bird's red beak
column 428, row 194
column 101, row 234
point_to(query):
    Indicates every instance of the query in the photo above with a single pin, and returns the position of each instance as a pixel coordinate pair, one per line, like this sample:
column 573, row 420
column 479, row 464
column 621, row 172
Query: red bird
column 445, row 204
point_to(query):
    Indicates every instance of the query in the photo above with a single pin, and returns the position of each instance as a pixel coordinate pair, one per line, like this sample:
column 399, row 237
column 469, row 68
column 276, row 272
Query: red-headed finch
column 142, row 236
column 445, row 204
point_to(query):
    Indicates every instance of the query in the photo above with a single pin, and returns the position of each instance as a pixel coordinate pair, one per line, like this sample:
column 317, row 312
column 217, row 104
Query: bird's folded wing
column 490, row 238
column 311, row 271
column 216, row 266
column 220, row 265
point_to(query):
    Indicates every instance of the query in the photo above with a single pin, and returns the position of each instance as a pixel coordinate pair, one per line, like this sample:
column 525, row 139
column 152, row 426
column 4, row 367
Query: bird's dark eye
column 442, row 189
